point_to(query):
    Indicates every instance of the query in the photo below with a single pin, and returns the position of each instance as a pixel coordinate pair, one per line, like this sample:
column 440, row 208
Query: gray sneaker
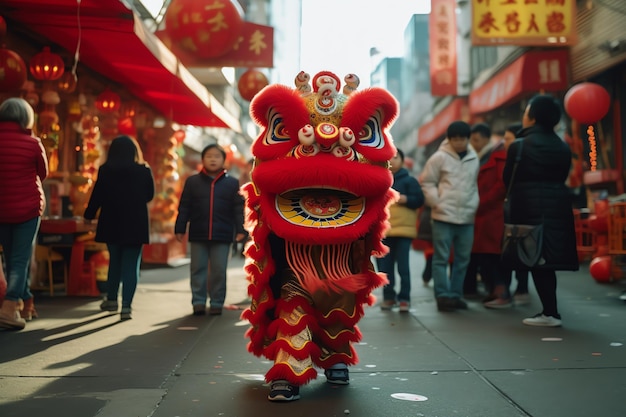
column 282, row 391
column 125, row 314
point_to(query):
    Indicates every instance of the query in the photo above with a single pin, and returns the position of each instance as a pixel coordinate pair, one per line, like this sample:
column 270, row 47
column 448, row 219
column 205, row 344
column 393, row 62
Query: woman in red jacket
column 23, row 166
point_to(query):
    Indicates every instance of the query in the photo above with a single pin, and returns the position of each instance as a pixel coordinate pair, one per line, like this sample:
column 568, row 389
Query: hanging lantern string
column 80, row 33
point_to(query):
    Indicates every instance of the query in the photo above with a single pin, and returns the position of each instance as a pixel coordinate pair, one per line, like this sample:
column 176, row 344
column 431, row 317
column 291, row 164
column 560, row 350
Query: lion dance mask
column 316, row 210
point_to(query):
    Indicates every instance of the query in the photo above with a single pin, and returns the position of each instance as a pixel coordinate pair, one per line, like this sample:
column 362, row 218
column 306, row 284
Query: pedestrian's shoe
column 337, row 376
column 444, row 304
column 405, row 306
column 282, row 390
column 623, row 296
column 10, row 316
column 109, row 305
column 521, row 299
column 499, row 303
column 28, row 310
column 458, row 304
column 125, row 314
column 199, row 309
column 387, row 305
column 215, row 311
column 541, row 320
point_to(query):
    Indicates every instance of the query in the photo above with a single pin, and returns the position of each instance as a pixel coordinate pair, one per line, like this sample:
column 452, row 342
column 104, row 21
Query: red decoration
column 3, row 27
column 205, row 28
column 250, row 83
column 47, row 66
column 67, row 82
column 179, row 135
column 587, row 103
column 125, row 126
column 600, row 269
column 12, row 71
column 108, row 102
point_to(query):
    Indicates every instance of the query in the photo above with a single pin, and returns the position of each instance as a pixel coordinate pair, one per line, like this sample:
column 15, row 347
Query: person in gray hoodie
column 450, row 189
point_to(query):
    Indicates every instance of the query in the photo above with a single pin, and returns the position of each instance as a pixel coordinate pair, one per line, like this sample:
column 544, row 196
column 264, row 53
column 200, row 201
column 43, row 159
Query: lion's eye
column 371, row 135
column 276, row 132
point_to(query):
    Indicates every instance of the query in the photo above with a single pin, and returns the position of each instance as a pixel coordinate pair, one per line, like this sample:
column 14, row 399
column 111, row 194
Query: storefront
column 499, row 100
column 118, row 78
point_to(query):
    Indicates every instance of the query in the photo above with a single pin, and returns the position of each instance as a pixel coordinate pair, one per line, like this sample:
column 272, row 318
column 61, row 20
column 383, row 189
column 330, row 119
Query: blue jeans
column 447, row 236
column 399, row 248
column 209, row 261
column 17, row 240
column 124, row 262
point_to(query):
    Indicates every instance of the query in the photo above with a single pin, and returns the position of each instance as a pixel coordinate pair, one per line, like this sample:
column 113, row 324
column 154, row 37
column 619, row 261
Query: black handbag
column 522, row 243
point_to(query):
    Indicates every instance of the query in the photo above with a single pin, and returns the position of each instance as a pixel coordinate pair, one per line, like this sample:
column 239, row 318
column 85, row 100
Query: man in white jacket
column 449, row 185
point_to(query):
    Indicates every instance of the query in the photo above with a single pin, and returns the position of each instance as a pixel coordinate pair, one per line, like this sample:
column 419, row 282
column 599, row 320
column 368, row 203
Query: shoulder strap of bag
column 518, row 158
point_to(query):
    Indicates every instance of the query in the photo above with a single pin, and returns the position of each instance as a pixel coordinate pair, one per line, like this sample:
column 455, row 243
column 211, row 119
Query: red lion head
column 321, row 161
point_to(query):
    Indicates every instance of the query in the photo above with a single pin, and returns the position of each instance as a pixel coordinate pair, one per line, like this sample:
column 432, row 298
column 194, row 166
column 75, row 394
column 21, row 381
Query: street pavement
column 77, row 361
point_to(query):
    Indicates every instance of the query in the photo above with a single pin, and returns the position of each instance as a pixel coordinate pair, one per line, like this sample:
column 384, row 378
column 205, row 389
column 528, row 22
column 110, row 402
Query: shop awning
column 428, row 132
column 533, row 72
column 115, row 43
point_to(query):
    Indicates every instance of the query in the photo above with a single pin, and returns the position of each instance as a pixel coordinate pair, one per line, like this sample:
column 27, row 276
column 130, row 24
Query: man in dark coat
column 539, row 195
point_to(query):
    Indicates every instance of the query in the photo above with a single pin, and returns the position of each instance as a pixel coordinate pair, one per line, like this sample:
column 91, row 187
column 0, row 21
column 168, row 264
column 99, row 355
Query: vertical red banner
column 442, row 44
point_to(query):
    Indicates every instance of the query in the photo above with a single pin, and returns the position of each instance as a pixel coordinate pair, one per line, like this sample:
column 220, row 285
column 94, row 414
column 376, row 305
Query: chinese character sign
column 442, row 44
column 524, row 22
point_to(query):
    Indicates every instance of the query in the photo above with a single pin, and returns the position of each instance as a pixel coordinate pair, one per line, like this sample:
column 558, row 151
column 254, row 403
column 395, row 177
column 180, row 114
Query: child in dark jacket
column 402, row 219
column 212, row 206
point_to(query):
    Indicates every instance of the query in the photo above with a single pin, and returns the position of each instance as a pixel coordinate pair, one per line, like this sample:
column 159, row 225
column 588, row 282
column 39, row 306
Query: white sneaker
column 542, row 321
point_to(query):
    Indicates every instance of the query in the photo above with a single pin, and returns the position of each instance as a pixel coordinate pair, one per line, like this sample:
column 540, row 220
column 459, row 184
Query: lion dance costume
column 316, row 210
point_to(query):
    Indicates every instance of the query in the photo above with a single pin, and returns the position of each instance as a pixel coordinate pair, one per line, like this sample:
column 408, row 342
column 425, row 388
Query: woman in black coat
column 122, row 191
column 539, row 195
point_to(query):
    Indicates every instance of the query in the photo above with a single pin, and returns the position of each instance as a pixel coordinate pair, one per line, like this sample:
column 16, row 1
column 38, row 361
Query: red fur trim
column 284, row 371
column 309, row 349
column 362, row 104
column 335, row 358
column 275, row 177
column 293, row 112
column 337, row 342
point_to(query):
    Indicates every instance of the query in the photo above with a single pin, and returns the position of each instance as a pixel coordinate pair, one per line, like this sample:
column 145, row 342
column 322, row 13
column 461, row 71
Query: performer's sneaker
column 339, row 376
column 282, row 390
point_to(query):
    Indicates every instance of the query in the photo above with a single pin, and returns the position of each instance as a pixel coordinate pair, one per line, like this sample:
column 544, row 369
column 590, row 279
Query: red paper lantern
column 67, row 82
column 108, row 102
column 250, row 83
column 600, row 269
column 12, row 71
column 587, row 103
column 47, row 66
column 206, row 28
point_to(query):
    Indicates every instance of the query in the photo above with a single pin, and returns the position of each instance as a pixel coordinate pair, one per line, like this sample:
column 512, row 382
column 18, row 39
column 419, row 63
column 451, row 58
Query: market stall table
column 78, row 235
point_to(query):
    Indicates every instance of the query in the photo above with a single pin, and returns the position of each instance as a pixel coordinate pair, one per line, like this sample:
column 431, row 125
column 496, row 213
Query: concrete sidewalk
column 76, row 361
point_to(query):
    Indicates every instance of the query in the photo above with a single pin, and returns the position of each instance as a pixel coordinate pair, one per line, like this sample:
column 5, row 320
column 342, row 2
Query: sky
column 337, row 34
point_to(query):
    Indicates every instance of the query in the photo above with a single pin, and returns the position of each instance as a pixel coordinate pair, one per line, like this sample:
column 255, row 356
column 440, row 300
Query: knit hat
column 458, row 128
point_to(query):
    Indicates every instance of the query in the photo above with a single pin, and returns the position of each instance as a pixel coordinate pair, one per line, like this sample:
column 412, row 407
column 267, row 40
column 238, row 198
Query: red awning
column 115, row 43
column 428, row 132
column 534, row 71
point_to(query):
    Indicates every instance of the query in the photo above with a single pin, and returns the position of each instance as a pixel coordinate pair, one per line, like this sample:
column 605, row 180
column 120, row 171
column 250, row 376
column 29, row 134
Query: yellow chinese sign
column 524, row 22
